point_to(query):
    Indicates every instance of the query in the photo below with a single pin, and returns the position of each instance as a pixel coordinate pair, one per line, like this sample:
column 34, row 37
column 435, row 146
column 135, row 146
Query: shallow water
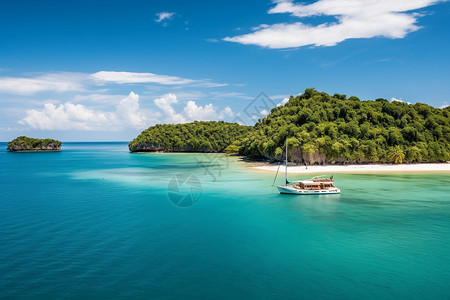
column 96, row 221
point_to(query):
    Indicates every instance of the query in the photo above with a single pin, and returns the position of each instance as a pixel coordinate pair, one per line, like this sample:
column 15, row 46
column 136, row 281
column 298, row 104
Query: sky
column 105, row 70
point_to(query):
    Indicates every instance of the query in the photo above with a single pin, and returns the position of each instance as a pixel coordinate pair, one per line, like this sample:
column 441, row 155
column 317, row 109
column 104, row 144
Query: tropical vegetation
column 23, row 143
column 197, row 136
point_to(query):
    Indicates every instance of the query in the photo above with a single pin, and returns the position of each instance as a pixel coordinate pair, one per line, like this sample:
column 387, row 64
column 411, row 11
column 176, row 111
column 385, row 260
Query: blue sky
column 105, row 70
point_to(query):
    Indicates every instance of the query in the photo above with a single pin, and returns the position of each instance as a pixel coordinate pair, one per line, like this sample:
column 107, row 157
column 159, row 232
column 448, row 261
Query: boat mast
column 285, row 174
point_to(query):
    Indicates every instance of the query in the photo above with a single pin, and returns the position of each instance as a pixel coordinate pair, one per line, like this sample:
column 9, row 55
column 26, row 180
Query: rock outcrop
column 147, row 147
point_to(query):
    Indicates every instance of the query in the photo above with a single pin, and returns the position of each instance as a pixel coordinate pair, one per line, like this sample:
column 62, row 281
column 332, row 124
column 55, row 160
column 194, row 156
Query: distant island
column 197, row 136
column 321, row 129
column 26, row 144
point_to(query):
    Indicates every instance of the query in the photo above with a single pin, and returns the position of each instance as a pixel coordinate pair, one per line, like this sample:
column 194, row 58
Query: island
column 320, row 130
column 205, row 136
column 26, row 144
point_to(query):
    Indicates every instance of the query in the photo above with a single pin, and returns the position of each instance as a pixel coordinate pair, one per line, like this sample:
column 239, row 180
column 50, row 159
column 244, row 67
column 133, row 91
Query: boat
column 318, row 185
column 313, row 186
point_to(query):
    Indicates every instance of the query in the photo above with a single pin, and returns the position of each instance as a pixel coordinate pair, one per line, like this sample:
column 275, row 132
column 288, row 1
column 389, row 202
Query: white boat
column 315, row 186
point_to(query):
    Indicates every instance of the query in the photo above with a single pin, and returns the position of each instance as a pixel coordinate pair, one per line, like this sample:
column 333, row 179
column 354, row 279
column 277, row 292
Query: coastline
column 375, row 168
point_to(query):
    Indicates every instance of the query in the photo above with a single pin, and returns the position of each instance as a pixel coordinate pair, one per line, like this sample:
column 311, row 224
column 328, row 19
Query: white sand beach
column 443, row 167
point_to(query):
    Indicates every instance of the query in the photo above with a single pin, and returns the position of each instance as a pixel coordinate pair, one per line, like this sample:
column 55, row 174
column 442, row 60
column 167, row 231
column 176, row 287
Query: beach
column 432, row 167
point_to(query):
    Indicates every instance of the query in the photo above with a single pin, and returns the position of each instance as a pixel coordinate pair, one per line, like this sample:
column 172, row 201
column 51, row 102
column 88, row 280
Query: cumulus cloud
column 69, row 116
column 355, row 19
column 127, row 113
column 200, row 113
column 191, row 112
column 165, row 104
column 226, row 112
column 66, row 116
column 164, row 16
column 128, row 110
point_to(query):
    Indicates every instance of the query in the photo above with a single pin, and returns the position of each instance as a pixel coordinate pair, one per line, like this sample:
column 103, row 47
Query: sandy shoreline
column 405, row 168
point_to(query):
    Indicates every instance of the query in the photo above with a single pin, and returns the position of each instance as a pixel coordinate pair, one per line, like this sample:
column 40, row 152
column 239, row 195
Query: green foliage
column 233, row 149
column 396, row 155
column 196, row 136
column 26, row 143
column 335, row 129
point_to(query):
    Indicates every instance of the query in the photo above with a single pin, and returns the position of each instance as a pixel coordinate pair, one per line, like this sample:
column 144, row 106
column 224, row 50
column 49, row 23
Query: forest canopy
column 197, row 136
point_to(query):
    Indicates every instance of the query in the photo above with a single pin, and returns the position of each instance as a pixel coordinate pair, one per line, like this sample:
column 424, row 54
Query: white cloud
column 64, row 117
column 59, row 82
column 103, row 77
column 191, row 112
column 69, row 116
column 130, row 77
column 226, row 112
column 128, row 111
column 165, row 103
column 283, row 102
column 69, row 82
column 445, row 105
column 399, row 100
column 355, row 19
column 164, row 15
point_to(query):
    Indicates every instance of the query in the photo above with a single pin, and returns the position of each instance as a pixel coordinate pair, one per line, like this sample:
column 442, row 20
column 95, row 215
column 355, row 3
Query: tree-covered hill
column 190, row 137
column 335, row 129
column 23, row 143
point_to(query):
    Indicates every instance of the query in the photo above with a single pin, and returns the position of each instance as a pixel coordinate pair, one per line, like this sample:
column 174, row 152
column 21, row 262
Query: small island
column 26, row 144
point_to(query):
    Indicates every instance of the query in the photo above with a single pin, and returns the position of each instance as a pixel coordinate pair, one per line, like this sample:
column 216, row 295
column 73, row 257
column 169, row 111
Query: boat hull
column 294, row 191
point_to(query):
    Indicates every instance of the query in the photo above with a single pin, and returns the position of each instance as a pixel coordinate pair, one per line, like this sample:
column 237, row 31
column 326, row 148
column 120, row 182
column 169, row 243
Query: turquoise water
column 95, row 221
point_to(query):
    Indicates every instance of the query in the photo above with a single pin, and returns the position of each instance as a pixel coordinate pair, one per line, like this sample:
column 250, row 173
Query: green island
column 26, row 144
column 320, row 129
column 197, row 136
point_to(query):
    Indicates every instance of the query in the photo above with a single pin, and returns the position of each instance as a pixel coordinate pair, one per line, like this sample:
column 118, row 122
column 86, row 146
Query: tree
column 233, row 149
column 396, row 155
column 413, row 154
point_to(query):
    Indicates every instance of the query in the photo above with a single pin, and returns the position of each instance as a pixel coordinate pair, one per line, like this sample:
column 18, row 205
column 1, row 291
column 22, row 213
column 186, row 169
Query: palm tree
column 396, row 155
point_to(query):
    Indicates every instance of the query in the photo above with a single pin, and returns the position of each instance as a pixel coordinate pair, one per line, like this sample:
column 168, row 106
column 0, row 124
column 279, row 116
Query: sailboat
column 318, row 185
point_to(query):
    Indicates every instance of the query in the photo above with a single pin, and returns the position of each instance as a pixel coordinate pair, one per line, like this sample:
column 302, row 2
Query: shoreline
column 375, row 168
column 25, row 151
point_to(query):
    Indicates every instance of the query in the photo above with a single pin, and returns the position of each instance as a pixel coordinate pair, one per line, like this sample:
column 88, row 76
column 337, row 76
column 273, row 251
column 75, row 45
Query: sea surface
column 95, row 221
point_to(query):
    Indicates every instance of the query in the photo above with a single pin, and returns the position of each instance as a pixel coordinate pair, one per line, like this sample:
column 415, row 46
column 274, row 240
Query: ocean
column 95, row 221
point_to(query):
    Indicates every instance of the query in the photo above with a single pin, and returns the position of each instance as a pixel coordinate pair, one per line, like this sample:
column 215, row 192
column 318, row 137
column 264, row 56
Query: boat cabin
column 314, row 185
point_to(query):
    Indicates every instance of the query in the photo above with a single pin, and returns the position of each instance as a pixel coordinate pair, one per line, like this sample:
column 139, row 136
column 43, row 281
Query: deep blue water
column 94, row 221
